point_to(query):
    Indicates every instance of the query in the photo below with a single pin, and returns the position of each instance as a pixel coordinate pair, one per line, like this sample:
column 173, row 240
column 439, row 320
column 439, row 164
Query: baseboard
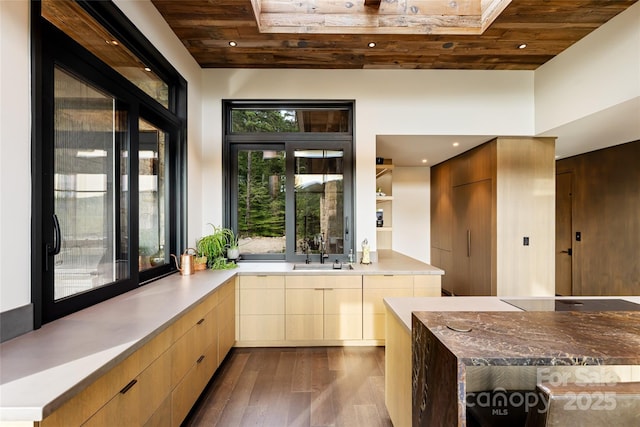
column 16, row 322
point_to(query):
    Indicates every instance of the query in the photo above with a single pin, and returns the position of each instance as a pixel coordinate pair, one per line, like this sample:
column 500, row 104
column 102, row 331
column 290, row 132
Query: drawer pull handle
column 200, row 359
column 128, row 386
column 200, row 321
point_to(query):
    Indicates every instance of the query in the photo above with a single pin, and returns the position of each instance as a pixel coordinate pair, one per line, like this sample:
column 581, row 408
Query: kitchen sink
column 323, row 267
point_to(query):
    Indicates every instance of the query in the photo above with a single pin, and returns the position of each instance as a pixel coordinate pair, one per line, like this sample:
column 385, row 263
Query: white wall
column 599, row 72
column 15, row 155
column 412, row 212
column 396, row 102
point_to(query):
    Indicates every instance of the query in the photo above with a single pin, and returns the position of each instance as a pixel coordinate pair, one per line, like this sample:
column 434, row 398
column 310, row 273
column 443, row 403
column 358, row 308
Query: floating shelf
column 383, row 170
column 384, row 229
column 384, row 198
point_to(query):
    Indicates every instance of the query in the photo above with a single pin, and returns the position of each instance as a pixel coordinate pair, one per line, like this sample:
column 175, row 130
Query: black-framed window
column 108, row 163
column 289, row 178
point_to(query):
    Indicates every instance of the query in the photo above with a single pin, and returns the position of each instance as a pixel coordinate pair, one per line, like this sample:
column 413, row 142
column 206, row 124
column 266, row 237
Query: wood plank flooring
column 316, row 386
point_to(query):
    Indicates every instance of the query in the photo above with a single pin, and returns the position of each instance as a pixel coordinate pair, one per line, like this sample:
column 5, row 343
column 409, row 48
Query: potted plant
column 233, row 252
column 214, row 247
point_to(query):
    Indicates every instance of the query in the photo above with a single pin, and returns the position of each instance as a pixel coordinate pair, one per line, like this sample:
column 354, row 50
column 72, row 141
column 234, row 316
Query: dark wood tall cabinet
column 471, row 247
column 492, row 218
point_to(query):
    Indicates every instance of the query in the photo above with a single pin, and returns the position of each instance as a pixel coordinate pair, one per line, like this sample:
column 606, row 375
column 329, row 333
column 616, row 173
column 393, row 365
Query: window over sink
column 290, row 178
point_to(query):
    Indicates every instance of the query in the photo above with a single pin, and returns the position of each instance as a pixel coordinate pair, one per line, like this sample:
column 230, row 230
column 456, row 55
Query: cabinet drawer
column 322, row 282
column 261, row 301
column 188, row 390
column 387, row 281
column 79, row 409
column 261, row 282
column 138, row 399
column 192, row 344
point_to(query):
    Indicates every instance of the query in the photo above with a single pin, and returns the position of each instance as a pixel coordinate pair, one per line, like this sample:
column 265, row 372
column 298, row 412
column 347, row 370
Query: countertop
column 450, row 348
column 388, row 262
column 42, row 369
column 402, row 307
column 535, row 338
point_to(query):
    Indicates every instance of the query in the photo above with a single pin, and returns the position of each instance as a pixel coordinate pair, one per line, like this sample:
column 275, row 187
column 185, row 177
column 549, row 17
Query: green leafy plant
column 214, row 247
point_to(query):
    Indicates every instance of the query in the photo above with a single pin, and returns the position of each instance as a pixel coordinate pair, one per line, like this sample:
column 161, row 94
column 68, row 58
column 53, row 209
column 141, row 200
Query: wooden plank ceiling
column 547, row 27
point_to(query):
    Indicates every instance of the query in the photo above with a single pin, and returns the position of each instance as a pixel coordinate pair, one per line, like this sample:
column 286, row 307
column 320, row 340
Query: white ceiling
column 613, row 126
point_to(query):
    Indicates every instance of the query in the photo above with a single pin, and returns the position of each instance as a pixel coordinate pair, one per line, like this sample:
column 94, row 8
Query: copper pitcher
column 186, row 261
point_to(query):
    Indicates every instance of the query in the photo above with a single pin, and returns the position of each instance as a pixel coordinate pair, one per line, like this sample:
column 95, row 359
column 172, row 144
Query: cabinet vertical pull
column 200, row 359
column 128, row 386
column 468, row 243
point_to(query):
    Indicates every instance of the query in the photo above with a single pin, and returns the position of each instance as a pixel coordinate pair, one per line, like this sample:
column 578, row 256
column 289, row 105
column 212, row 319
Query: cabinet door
column 374, row 290
column 342, row 314
column 471, row 269
column 304, row 314
column 261, row 308
column 427, row 285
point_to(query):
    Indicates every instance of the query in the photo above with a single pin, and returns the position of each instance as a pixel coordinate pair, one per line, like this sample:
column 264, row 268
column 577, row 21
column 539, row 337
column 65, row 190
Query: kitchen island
column 482, row 371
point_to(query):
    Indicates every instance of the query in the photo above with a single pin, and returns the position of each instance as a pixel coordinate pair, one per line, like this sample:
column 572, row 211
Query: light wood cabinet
column 427, row 285
column 377, row 287
column 492, row 218
column 158, row 384
column 397, row 379
column 261, row 308
column 323, row 308
column 374, row 290
column 226, row 319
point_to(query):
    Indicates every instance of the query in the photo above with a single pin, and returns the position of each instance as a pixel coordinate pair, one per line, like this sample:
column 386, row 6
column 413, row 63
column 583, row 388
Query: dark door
column 471, row 269
column 564, row 184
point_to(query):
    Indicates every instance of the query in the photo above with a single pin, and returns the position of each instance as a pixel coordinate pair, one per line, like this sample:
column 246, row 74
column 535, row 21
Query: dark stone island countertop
column 447, row 344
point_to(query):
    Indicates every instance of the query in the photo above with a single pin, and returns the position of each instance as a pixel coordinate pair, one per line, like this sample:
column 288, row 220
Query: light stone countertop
column 41, row 370
column 388, row 262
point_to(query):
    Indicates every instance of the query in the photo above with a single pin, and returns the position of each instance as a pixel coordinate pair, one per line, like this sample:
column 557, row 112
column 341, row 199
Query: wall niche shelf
column 384, row 173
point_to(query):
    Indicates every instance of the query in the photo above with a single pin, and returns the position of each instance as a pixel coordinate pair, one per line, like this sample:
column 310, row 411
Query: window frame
column 288, row 142
column 51, row 48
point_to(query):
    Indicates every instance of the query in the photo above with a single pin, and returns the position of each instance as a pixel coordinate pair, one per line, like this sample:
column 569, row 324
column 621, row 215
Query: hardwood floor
column 316, row 386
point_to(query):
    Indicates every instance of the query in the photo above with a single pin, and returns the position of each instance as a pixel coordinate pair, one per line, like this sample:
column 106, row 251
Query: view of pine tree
column 263, row 121
column 261, row 197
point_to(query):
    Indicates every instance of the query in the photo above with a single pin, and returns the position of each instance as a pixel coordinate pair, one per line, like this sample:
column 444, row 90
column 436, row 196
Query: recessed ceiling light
column 233, row 44
column 455, row 144
column 147, row 69
column 112, row 42
column 522, row 46
column 372, row 44
column 424, row 160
